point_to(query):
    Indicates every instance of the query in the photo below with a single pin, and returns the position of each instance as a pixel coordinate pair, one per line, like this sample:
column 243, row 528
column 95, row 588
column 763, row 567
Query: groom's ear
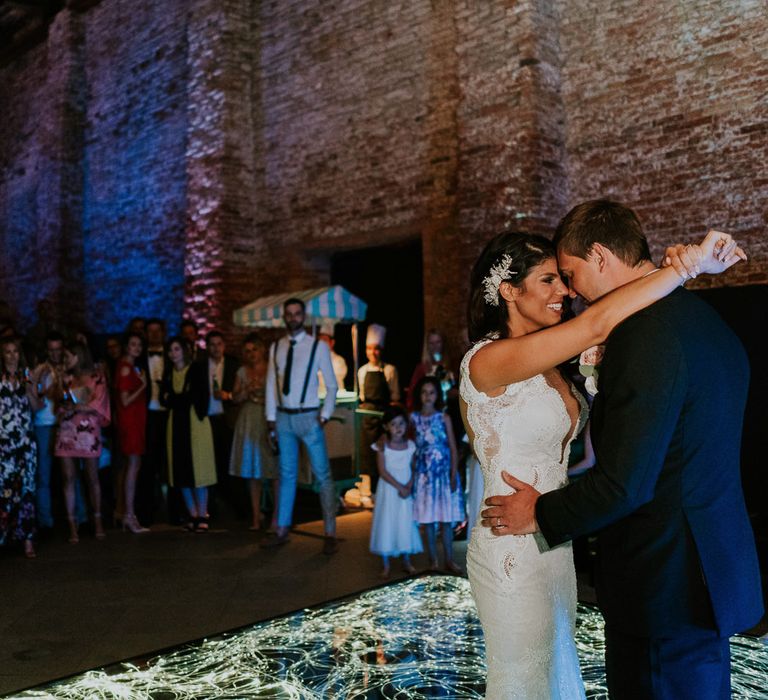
column 598, row 255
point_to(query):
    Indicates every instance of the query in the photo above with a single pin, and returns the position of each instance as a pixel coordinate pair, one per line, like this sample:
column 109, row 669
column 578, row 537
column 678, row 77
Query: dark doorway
column 389, row 280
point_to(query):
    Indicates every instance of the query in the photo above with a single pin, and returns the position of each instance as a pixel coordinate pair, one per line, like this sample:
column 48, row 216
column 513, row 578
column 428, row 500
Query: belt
column 295, row 411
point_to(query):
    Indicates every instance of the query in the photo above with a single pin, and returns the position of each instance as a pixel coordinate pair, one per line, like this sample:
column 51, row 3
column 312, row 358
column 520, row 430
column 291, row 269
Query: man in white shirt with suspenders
column 294, row 414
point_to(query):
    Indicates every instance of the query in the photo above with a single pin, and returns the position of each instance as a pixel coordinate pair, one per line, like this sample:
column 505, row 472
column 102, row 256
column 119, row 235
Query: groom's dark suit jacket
column 676, row 549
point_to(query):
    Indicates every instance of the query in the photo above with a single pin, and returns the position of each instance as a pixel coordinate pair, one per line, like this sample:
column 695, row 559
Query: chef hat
column 327, row 328
column 375, row 335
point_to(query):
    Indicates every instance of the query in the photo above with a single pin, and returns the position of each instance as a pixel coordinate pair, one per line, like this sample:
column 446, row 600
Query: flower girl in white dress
column 395, row 532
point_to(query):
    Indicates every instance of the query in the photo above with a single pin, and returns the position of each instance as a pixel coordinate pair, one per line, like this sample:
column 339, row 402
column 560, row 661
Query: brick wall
column 666, row 106
column 186, row 157
column 134, row 61
column 40, row 174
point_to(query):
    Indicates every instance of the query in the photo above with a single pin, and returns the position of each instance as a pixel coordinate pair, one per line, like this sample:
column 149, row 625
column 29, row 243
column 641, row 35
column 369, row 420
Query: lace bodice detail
column 522, row 430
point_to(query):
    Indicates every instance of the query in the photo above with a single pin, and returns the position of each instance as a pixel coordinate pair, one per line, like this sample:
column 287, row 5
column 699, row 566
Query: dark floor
column 82, row 606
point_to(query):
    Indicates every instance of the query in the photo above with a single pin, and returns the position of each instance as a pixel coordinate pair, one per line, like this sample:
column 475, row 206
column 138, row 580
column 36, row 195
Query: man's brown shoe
column 331, row 545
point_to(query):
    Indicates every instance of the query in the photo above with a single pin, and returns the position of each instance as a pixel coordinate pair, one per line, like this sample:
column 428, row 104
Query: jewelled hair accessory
column 498, row 273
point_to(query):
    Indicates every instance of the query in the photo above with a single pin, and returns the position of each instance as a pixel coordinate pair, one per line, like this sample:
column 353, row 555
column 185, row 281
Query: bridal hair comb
column 498, row 273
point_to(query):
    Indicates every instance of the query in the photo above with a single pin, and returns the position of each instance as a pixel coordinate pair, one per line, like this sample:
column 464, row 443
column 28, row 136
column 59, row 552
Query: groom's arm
column 642, row 386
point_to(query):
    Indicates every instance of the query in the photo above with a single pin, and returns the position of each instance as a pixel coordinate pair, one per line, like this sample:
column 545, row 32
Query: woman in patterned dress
column 18, row 451
column 83, row 411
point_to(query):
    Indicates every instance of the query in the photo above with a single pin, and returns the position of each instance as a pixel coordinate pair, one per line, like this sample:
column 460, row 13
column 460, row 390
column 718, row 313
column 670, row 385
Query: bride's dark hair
column 526, row 251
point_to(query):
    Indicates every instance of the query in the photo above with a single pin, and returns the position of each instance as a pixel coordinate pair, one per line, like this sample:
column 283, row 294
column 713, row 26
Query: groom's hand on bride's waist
column 513, row 514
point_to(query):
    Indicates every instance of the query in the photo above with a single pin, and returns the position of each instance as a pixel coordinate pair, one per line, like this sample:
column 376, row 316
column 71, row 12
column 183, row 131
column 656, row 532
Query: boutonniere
column 589, row 366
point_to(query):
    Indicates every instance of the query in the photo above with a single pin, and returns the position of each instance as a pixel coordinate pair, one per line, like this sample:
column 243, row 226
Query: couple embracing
column 677, row 570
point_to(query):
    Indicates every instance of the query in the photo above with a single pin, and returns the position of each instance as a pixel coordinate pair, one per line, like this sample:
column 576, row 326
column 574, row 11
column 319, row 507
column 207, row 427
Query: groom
column 677, row 571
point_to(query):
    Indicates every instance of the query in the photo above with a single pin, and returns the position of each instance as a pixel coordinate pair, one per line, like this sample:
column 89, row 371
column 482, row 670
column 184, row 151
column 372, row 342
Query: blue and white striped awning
column 334, row 304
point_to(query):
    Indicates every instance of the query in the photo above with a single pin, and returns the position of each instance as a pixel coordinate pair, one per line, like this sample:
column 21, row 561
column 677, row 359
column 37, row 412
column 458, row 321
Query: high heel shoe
column 29, row 549
column 73, row 536
column 98, row 527
column 131, row 522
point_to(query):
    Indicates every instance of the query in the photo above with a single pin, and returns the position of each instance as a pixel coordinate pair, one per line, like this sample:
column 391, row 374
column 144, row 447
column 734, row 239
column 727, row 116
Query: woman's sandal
column 73, row 535
column 190, row 525
column 202, row 524
column 98, row 527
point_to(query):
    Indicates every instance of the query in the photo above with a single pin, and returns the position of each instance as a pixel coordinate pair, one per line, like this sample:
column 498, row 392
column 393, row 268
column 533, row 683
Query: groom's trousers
column 693, row 666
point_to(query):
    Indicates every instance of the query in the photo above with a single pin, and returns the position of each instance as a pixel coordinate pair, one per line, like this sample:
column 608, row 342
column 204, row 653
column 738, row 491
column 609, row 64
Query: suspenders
column 306, row 376
column 309, row 372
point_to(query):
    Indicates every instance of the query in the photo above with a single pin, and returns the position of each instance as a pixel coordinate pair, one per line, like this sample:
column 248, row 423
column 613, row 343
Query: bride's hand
column 715, row 254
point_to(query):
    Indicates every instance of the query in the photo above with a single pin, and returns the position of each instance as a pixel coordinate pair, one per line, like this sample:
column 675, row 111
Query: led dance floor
column 415, row 639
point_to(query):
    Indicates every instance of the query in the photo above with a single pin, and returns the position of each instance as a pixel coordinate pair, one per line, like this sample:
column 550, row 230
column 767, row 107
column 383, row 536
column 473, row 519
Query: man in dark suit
column 222, row 369
column 677, row 569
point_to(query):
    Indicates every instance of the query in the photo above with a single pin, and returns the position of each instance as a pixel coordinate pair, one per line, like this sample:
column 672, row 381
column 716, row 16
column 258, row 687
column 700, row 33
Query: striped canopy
column 323, row 304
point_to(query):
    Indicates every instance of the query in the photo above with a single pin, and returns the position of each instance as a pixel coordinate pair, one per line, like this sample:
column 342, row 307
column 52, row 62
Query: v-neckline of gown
column 573, row 422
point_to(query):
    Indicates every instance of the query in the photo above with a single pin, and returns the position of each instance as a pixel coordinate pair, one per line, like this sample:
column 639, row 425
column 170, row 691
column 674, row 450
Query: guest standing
column 252, row 456
column 438, row 500
column 189, row 441
column 221, row 381
column 326, row 335
column 394, row 531
column 83, row 411
column 45, row 380
column 189, row 331
column 131, row 388
column 153, row 472
column 18, row 452
column 294, row 415
column 434, row 363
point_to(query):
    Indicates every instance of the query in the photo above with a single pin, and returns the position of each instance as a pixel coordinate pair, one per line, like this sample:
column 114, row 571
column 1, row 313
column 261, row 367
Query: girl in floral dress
column 438, row 497
column 18, row 451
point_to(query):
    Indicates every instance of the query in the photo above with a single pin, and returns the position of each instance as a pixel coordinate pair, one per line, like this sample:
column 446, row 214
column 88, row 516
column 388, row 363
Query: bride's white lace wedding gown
column 525, row 592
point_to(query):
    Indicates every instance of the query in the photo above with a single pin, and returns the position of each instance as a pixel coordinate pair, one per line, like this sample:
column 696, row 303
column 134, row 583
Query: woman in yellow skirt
column 189, row 440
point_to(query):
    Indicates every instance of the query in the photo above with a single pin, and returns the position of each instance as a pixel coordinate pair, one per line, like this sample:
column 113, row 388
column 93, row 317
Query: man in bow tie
column 153, row 470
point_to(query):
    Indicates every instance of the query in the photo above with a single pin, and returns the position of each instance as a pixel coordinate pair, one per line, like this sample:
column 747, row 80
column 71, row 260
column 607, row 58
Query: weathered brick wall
column 134, row 58
column 188, row 156
column 40, row 175
column 666, row 106
column 373, row 123
column 512, row 167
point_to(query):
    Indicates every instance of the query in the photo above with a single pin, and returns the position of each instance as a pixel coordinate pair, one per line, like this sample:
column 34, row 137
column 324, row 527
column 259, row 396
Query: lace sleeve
column 467, row 389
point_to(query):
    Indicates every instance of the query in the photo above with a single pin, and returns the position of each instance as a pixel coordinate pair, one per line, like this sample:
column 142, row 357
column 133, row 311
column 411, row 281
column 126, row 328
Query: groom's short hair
column 602, row 221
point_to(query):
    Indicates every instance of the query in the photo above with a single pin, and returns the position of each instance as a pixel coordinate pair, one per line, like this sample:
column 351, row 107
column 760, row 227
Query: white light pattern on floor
column 415, row 639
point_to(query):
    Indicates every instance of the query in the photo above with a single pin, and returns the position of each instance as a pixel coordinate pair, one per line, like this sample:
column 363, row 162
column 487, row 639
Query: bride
column 521, row 415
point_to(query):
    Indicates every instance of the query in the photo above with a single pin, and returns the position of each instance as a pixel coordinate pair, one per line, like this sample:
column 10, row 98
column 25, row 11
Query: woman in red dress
column 131, row 390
